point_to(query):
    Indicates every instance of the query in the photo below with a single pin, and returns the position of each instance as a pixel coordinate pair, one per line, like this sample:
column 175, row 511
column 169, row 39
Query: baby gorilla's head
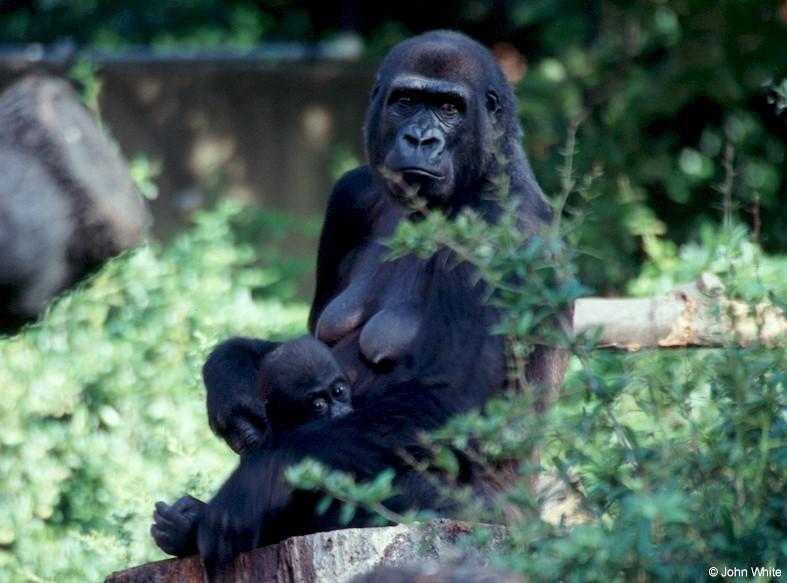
column 302, row 382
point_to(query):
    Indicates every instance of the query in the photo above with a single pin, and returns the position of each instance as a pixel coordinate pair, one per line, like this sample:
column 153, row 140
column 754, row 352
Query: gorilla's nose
column 427, row 142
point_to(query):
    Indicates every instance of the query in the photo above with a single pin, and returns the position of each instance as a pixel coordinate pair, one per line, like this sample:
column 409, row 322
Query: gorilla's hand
column 234, row 521
column 242, row 423
column 174, row 527
column 235, row 409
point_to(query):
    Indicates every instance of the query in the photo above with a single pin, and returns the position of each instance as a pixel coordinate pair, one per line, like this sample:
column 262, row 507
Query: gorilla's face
column 302, row 381
column 429, row 127
column 425, row 120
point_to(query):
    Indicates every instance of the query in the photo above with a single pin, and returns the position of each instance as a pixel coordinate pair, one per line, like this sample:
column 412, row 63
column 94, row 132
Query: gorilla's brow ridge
column 430, row 85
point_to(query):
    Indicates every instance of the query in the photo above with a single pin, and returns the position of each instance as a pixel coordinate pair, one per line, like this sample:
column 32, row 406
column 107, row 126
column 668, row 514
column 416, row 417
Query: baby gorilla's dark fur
column 300, row 382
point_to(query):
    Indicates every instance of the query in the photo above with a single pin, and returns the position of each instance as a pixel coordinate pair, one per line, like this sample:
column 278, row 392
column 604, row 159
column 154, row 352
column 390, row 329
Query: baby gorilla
column 300, row 382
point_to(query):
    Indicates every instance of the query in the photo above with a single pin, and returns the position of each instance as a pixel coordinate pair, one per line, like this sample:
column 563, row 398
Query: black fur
column 302, row 382
column 412, row 335
column 294, row 375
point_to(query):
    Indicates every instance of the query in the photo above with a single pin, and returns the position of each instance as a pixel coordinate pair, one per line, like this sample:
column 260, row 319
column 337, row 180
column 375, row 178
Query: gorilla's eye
column 449, row 108
column 339, row 389
column 319, row 405
column 404, row 101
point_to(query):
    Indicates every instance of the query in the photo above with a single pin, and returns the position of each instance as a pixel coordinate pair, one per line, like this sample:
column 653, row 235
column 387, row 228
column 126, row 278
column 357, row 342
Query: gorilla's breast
column 381, row 307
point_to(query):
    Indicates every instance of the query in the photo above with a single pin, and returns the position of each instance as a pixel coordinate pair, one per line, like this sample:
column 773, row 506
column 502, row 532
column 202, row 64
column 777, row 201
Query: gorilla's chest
column 382, row 303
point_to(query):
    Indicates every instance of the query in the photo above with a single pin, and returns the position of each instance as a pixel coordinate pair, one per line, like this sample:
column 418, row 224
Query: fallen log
column 694, row 315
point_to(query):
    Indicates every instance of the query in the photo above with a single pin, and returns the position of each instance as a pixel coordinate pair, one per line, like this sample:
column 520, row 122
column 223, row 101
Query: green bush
column 103, row 406
column 660, row 88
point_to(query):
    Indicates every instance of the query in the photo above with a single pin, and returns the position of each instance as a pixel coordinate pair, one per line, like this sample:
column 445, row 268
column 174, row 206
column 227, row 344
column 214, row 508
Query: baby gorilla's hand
column 174, row 527
column 243, row 425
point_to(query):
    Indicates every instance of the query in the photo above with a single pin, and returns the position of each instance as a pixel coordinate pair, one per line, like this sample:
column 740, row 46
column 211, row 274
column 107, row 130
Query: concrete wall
column 269, row 133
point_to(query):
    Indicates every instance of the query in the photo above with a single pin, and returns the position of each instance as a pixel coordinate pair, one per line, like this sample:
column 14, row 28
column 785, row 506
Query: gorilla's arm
column 346, row 224
column 236, row 414
column 235, row 409
column 252, row 506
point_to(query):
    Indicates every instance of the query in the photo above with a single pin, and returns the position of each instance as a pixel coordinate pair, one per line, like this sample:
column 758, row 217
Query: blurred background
column 669, row 117
column 263, row 101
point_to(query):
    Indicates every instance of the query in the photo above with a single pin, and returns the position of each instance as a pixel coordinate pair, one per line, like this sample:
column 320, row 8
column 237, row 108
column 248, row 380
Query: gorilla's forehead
column 300, row 361
column 440, row 60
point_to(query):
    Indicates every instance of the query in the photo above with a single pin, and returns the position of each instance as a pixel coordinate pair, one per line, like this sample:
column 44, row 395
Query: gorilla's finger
column 236, row 443
column 163, row 540
column 176, row 521
column 179, row 542
column 185, row 512
column 161, row 507
column 188, row 503
column 254, row 412
column 251, row 435
column 163, row 519
column 156, row 532
column 183, row 522
column 244, row 436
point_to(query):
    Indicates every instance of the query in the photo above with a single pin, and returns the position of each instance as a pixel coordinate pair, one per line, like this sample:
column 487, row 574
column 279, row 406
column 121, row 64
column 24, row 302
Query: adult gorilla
column 413, row 335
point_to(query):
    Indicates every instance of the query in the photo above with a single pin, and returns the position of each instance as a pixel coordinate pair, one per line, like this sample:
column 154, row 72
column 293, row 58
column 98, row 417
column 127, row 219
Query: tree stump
column 331, row 557
column 434, row 573
column 67, row 200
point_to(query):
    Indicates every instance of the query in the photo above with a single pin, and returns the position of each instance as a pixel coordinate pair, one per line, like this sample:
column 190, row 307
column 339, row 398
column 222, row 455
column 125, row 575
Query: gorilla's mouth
column 415, row 172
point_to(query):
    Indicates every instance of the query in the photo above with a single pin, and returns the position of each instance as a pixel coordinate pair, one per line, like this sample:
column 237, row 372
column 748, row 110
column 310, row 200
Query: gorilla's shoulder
column 353, row 192
column 353, row 181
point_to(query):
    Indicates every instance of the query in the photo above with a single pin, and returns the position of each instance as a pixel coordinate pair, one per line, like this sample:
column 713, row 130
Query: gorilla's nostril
column 412, row 140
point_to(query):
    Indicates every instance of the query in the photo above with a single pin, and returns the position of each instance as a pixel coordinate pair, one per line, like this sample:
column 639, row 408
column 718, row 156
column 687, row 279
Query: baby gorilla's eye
column 319, row 405
column 449, row 108
column 339, row 389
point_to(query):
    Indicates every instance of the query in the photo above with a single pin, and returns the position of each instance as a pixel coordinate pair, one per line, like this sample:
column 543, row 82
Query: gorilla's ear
column 376, row 88
column 492, row 101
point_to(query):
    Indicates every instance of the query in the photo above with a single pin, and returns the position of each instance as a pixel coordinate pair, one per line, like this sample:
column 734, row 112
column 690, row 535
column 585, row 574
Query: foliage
column 342, row 487
column 86, row 75
column 199, row 23
column 659, row 88
column 103, row 408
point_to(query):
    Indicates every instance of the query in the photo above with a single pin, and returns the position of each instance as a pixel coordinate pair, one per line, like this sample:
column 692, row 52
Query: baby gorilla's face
column 328, row 401
column 302, row 382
